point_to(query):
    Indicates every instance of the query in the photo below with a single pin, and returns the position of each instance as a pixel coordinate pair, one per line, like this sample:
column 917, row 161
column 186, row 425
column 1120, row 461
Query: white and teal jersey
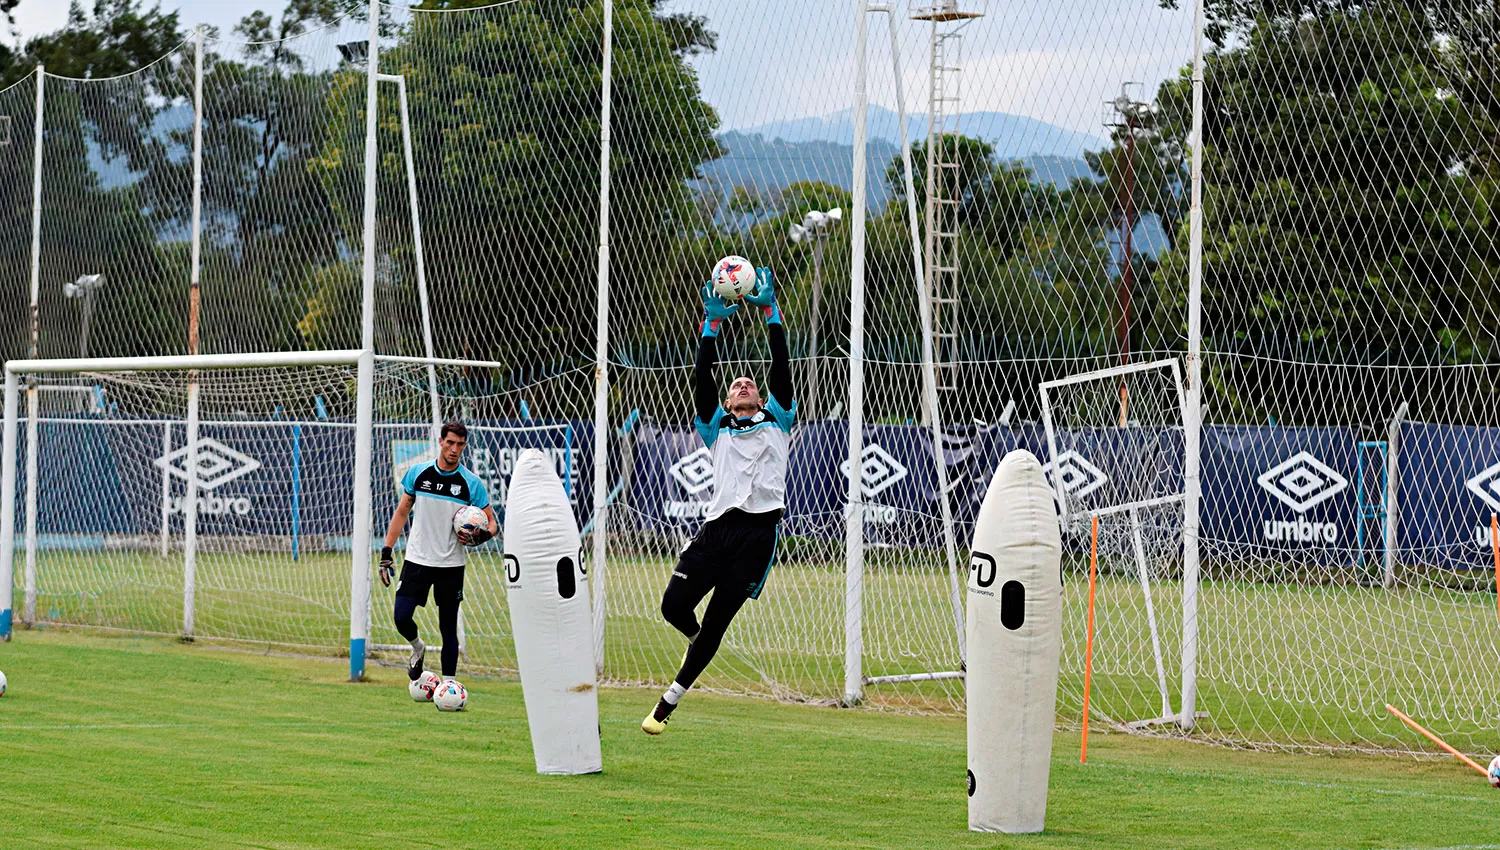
column 437, row 495
column 750, row 458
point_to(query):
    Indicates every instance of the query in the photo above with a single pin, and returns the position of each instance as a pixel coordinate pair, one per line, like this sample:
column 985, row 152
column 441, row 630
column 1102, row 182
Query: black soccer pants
column 730, row 557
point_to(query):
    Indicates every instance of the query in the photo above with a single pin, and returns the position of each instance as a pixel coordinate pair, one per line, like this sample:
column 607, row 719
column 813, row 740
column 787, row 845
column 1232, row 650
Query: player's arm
column 705, row 391
column 779, row 381
column 392, row 534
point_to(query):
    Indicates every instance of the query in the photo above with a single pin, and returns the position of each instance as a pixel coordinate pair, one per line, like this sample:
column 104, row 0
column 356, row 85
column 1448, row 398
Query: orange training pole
column 1495, row 546
column 1088, row 647
column 1436, row 740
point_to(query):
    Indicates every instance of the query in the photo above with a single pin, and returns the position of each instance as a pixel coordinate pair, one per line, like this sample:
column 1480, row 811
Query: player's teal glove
column 715, row 310
column 764, row 296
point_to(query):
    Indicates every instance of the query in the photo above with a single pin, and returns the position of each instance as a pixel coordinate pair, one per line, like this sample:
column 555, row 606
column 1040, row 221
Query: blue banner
column 1449, row 486
column 1282, row 493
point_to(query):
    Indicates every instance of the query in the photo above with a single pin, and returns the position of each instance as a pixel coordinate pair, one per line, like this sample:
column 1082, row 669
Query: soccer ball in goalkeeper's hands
column 470, row 519
column 1495, row 771
column 733, row 278
column 422, row 687
column 450, row 696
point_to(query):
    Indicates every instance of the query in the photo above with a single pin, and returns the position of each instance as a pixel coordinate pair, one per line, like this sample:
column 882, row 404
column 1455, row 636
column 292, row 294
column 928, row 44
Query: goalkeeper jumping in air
column 749, row 437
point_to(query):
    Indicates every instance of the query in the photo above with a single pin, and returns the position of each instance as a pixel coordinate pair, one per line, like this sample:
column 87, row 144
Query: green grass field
column 125, row 741
column 1305, row 665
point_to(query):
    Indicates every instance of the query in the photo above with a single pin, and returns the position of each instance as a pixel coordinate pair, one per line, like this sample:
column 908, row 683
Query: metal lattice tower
column 945, row 18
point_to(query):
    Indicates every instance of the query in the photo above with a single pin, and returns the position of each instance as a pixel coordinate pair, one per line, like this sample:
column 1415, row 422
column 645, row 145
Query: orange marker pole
column 1495, row 547
column 1088, row 646
column 1439, row 741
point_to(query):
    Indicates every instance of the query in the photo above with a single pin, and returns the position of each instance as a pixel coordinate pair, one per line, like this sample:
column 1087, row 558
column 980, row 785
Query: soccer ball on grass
column 450, row 696
column 733, row 278
column 1494, row 763
column 2, row 684
column 422, row 687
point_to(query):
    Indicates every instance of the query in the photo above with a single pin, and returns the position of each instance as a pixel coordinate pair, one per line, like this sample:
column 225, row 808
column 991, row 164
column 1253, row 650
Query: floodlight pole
column 33, row 399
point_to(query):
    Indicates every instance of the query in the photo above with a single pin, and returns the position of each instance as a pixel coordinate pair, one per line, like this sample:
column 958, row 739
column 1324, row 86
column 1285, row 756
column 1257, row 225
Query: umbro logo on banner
column 1486, row 485
column 878, row 471
column 1077, row 476
column 217, row 464
column 695, row 472
column 1302, row 482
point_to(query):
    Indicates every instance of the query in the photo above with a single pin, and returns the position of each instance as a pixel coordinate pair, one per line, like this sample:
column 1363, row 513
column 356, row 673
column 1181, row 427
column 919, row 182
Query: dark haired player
column 432, row 493
column 749, row 437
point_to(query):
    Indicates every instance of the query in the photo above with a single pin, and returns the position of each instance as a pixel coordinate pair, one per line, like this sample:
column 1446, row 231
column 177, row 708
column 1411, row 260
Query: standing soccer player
column 749, row 437
column 432, row 493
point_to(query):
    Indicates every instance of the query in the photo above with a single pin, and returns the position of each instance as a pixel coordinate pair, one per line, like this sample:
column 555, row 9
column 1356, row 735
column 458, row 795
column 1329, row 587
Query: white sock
column 673, row 694
column 447, row 678
column 417, row 645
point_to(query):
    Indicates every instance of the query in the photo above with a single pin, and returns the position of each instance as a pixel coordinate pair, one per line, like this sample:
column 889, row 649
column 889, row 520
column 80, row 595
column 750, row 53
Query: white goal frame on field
column 1120, row 376
column 360, row 531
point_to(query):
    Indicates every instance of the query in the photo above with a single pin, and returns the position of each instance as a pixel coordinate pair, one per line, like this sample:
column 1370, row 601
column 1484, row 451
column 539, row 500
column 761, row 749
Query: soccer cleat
column 414, row 665
column 656, row 722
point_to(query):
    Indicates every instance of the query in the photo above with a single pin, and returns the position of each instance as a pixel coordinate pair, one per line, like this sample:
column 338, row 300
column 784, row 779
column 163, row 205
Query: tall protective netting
column 1261, row 356
column 1349, row 337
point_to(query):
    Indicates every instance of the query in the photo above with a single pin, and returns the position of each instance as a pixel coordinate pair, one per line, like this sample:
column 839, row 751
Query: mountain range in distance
column 768, row 157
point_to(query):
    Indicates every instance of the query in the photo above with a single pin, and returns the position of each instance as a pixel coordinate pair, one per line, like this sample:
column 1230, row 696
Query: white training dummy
column 1014, row 634
column 548, row 592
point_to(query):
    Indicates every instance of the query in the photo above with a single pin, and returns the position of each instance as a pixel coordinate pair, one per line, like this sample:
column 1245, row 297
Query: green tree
column 505, row 111
column 98, row 213
column 1344, row 220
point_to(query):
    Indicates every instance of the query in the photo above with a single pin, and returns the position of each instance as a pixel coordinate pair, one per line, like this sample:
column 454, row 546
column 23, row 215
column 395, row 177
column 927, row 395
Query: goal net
column 1117, row 460
column 1302, row 221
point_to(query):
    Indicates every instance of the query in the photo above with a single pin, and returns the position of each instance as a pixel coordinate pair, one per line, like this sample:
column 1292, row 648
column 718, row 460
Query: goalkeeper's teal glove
column 715, row 310
column 764, row 296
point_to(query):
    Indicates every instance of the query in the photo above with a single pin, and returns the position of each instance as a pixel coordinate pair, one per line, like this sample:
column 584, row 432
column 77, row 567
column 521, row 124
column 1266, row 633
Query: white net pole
column 195, row 296
column 33, row 405
column 1193, row 412
column 359, row 558
column 419, row 257
column 854, row 518
column 8, row 505
column 601, row 357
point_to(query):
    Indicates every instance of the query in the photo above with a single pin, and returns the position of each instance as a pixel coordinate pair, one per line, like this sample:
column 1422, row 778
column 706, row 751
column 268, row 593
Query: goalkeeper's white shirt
column 750, row 458
column 436, row 496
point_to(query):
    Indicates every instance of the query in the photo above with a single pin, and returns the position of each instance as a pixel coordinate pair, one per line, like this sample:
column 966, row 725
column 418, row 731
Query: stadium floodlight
column 84, row 287
column 815, row 227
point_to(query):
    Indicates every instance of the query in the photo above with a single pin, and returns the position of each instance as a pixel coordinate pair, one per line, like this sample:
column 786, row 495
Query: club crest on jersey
column 456, row 489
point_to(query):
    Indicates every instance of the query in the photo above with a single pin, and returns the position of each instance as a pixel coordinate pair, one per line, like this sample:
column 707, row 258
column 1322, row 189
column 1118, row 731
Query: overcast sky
column 1055, row 60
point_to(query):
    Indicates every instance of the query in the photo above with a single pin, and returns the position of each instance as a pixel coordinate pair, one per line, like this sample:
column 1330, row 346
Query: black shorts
column 446, row 583
column 734, row 551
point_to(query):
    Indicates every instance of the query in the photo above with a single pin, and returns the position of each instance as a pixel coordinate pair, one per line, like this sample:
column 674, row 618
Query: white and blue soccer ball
column 1494, row 762
column 423, row 687
column 469, row 519
column 733, row 278
column 2, row 685
column 450, row 696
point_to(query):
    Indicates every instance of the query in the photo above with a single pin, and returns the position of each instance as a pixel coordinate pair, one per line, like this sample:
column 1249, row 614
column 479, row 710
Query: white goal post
column 362, row 363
